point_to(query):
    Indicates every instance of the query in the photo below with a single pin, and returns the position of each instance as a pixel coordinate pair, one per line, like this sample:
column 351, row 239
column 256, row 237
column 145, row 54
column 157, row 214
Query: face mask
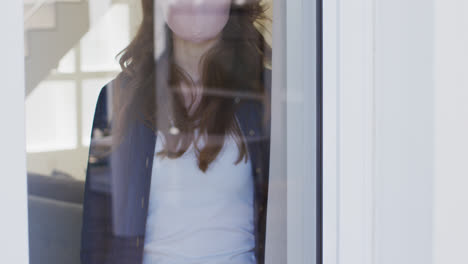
column 196, row 20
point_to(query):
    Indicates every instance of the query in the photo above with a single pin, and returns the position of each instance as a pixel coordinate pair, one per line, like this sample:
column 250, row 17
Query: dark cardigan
column 117, row 186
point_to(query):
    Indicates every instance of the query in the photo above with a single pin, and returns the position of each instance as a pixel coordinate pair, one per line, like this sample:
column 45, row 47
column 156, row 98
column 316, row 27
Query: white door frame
column 13, row 194
column 348, row 131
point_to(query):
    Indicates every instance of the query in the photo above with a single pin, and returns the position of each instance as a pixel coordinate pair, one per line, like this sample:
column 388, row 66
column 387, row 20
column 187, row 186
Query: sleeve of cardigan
column 96, row 229
column 99, row 244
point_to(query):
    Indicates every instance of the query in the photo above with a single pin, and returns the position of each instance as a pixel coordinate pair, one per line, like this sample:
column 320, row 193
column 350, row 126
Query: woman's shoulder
column 116, row 85
column 110, row 92
column 104, row 101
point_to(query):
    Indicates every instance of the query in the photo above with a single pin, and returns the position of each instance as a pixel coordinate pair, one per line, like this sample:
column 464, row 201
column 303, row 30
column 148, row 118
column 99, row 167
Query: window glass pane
column 172, row 157
column 105, row 40
column 51, row 117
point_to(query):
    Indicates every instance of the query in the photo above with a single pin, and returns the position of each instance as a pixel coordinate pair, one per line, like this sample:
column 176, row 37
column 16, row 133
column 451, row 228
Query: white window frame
column 13, row 194
column 301, row 116
column 292, row 207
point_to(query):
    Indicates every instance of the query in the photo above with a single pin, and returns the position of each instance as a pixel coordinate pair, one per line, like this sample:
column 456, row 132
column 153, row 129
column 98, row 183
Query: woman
column 185, row 176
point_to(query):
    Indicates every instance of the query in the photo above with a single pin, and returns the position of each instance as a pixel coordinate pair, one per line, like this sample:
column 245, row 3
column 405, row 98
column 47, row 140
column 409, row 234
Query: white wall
column 13, row 222
column 422, row 128
column 451, row 132
column 404, row 89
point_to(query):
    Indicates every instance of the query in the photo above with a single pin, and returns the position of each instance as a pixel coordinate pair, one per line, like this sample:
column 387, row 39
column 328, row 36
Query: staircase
column 52, row 28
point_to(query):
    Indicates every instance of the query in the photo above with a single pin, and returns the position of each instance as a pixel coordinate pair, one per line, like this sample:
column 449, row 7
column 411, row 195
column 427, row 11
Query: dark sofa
column 55, row 216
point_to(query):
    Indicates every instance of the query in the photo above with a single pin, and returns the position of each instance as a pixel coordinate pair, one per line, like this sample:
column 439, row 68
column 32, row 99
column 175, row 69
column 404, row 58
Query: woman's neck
column 188, row 54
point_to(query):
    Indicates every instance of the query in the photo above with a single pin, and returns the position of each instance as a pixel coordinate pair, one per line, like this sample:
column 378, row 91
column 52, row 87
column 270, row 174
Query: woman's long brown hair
column 149, row 90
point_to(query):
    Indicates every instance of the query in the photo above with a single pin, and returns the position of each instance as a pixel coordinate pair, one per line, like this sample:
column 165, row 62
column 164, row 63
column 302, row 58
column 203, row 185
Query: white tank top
column 196, row 217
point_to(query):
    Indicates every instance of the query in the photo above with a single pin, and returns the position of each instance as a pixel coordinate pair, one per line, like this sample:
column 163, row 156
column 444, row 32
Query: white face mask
column 196, row 20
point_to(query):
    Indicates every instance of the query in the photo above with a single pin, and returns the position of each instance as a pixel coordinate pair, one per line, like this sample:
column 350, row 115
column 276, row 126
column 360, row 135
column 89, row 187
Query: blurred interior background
column 71, row 48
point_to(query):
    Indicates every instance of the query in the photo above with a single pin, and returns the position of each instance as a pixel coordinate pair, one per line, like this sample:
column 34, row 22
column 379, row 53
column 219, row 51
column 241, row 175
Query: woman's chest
column 180, row 182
